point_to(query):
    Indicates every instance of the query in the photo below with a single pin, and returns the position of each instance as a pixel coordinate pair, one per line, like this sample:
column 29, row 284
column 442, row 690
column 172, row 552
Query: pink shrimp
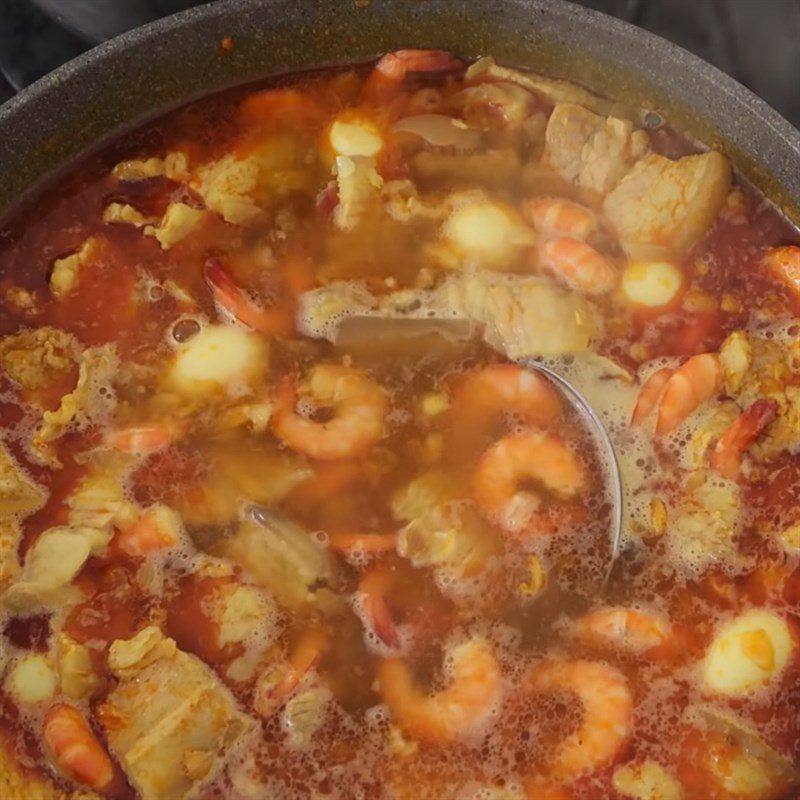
column 373, row 587
column 306, row 652
column 555, row 216
column 649, row 395
column 387, row 76
column 607, row 713
column 463, row 706
column 273, row 321
column 156, row 529
column 622, row 628
column 74, row 748
column 514, row 459
column 496, row 389
column 726, row 457
column 370, row 543
column 694, row 382
column 784, row 265
column 142, row 440
column 359, row 408
column 577, row 264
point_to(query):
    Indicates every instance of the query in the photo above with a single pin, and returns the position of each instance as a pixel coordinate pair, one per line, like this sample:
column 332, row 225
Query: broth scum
column 283, row 515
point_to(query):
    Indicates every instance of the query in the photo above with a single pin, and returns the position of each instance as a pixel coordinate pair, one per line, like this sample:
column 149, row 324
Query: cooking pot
column 98, row 20
column 148, row 70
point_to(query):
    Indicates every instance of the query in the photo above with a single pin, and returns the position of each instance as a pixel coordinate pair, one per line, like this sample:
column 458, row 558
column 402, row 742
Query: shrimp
column 142, row 440
column 373, row 587
column 158, row 528
column 635, row 632
column 726, row 457
column 505, row 389
column 649, row 395
column 387, row 76
column 555, row 216
column 784, row 265
column 270, row 693
column 74, row 748
column 513, row 459
column 358, row 405
column 577, row 264
column 274, row 321
column 460, row 709
column 607, row 713
column 694, row 382
column 371, row 543
column 537, row 788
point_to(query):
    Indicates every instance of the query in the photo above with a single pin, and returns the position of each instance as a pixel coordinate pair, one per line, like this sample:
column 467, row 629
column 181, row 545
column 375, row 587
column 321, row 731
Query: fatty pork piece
column 551, row 89
column 520, row 316
column 589, row 150
column 283, row 558
column 662, row 208
column 170, row 722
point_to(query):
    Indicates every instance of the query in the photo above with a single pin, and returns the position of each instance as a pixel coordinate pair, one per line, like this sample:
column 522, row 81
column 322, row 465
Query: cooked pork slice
column 170, row 722
column 662, row 208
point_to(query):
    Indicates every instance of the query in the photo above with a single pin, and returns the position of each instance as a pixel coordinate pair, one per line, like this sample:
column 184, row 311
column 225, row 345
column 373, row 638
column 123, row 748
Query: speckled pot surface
column 150, row 69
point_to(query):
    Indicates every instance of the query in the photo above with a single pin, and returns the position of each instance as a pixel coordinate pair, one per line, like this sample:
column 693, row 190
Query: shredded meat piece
column 36, row 358
column 90, row 402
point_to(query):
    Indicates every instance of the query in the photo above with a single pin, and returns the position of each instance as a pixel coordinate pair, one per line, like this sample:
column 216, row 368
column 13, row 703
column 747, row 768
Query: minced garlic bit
column 658, row 516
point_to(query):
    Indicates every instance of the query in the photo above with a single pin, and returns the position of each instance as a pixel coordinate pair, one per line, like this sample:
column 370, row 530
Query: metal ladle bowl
column 604, row 449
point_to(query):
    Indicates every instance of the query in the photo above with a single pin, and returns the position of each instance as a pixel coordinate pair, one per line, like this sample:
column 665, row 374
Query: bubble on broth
column 185, row 328
column 320, row 537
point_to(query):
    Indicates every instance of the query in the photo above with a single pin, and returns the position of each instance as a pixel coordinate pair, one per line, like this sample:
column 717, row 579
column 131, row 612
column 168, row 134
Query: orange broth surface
column 425, row 551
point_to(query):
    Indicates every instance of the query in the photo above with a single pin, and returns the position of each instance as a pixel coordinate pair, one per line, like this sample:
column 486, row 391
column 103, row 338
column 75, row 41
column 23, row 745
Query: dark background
column 755, row 41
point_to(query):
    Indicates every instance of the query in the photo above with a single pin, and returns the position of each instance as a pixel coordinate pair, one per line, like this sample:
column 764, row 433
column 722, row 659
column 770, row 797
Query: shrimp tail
column 387, row 77
column 372, row 590
column 74, row 748
column 726, row 458
column 694, row 382
column 236, row 303
column 649, row 395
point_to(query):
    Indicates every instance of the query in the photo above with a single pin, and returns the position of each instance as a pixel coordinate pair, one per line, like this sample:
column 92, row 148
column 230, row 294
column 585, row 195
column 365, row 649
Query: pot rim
column 760, row 141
